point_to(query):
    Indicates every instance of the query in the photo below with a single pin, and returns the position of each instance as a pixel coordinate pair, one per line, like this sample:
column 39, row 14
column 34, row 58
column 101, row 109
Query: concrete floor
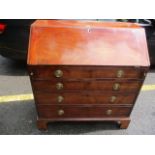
column 20, row 117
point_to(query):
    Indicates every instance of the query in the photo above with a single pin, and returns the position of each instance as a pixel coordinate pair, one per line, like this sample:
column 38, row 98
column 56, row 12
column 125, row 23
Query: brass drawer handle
column 113, row 99
column 58, row 73
column 116, row 86
column 60, row 99
column 109, row 112
column 59, row 86
column 120, row 73
column 61, row 112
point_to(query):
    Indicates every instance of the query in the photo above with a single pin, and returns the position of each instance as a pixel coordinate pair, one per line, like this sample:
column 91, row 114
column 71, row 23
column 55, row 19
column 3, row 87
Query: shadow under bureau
column 86, row 70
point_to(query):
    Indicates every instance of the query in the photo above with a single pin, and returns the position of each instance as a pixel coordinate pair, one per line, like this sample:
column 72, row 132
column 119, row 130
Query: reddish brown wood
column 46, row 72
column 89, row 54
column 85, row 111
column 42, row 124
column 124, row 123
column 85, row 98
column 115, row 119
column 87, row 43
column 100, row 85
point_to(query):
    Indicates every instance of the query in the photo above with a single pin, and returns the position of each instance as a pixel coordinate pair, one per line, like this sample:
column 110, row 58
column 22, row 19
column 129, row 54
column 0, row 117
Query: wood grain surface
column 75, row 42
column 51, row 111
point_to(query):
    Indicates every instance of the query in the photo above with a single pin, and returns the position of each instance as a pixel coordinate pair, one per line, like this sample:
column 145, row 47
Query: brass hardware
column 116, row 86
column 109, row 112
column 31, row 73
column 60, row 99
column 60, row 112
column 120, row 73
column 59, row 86
column 58, row 73
column 113, row 99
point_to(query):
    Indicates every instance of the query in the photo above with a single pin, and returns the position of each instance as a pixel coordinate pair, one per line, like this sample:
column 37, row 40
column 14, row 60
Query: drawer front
column 52, row 111
column 84, row 98
column 79, row 72
column 105, row 85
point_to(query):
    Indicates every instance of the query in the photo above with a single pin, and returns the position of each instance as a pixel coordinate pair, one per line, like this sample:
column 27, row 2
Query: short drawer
column 103, row 85
column 82, row 72
column 84, row 98
column 53, row 111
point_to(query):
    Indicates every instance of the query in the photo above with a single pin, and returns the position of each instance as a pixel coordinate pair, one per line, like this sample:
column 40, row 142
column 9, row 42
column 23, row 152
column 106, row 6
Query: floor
column 19, row 117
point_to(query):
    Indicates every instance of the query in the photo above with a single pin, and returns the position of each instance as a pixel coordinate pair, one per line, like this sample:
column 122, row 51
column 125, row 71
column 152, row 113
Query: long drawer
column 92, row 85
column 84, row 98
column 53, row 111
column 82, row 72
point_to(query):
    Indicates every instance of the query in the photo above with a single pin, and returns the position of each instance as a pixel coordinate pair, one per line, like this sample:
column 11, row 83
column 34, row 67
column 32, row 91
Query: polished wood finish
column 86, row 71
column 52, row 111
column 42, row 124
column 47, row 72
column 124, row 123
column 85, row 98
column 63, row 42
column 107, row 85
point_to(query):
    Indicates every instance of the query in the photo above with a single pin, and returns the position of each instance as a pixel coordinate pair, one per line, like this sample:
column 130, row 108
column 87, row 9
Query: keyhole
column 88, row 30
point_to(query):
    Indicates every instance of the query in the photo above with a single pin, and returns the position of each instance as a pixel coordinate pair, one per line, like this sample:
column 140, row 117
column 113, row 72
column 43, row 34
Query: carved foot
column 42, row 124
column 124, row 124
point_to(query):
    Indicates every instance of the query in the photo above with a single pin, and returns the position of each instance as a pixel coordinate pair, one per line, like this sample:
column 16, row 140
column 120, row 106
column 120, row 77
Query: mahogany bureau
column 86, row 70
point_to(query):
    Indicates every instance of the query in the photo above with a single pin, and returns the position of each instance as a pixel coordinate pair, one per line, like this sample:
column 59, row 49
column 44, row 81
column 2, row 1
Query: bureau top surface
column 74, row 42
